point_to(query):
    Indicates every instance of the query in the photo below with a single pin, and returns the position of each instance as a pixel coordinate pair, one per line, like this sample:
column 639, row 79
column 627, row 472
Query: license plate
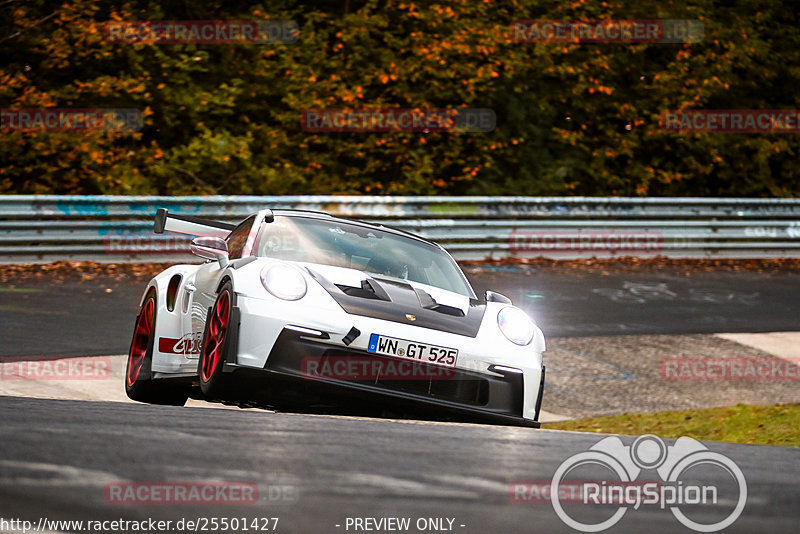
column 412, row 350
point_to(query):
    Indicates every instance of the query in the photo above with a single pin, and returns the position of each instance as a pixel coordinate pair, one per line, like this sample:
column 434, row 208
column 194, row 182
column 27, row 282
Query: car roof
column 327, row 216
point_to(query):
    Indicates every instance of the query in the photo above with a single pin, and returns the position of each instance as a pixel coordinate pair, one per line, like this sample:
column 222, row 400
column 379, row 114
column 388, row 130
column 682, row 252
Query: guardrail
column 47, row 228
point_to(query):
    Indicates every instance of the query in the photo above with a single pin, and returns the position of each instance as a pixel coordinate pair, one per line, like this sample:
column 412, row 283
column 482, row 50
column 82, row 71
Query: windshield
column 340, row 244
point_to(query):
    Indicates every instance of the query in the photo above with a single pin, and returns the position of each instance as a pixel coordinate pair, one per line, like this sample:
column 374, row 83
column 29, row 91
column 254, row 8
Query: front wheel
column 139, row 384
column 216, row 340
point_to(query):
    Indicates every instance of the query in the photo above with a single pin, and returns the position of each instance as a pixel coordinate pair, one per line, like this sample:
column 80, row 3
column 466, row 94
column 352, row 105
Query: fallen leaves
column 88, row 270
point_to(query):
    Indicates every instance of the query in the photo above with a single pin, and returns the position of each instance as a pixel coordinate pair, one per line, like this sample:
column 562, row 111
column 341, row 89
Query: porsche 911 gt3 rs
column 293, row 308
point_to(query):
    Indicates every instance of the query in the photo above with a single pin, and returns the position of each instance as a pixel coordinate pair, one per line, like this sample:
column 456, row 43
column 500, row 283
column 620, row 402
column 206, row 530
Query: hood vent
column 427, row 302
column 369, row 289
column 393, row 300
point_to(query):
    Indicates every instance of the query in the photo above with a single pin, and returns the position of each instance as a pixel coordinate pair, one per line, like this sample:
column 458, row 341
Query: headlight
column 283, row 281
column 515, row 325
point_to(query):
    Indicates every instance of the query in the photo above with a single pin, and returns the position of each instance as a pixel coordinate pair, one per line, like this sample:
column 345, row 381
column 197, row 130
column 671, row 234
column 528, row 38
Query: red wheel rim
column 141, row 340
column 215, row 335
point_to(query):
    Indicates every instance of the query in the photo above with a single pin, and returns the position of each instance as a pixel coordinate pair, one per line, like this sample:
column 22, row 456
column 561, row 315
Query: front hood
column 400, row 301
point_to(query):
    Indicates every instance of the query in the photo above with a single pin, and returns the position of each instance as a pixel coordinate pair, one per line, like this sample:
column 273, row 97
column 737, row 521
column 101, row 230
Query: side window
column 238, row 238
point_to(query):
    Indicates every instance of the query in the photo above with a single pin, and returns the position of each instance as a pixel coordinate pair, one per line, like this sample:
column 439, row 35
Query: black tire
column 139, row 384
column 215, row 347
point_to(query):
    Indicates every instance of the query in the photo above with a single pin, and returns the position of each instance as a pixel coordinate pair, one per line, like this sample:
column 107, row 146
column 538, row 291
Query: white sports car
column 295, row 309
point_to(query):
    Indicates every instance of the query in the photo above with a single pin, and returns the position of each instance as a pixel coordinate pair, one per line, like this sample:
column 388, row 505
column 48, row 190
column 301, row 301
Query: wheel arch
column 227, row 277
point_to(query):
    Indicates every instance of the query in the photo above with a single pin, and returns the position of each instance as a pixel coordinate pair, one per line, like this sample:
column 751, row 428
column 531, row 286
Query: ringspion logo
column 578, row 491
column 681, row 468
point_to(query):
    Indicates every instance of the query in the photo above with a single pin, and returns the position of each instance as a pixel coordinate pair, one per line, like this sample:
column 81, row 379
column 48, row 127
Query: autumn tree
column 572, row 118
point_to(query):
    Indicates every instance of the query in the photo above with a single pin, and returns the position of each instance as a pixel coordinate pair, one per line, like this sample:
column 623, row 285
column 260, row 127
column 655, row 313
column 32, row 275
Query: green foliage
column 768, row 425
column 571, row 119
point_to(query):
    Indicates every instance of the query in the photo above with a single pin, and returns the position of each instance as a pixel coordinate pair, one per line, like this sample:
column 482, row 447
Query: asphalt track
column 58, row 457
column 96, row 317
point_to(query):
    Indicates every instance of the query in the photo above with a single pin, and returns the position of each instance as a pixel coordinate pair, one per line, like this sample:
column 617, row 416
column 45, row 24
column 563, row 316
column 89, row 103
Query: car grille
column 458, row 386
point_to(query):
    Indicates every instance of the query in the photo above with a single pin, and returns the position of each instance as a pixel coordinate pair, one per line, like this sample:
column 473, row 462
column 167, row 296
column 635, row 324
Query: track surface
column 57, row 455
column 83, row 318
column 338, row 466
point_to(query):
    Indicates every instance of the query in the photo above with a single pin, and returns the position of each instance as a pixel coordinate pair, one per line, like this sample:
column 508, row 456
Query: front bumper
column 493, row 397
column 494, row 389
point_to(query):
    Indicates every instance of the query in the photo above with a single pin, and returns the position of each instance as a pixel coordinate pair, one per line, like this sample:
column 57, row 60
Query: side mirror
column 211, row 248
column 493, row 296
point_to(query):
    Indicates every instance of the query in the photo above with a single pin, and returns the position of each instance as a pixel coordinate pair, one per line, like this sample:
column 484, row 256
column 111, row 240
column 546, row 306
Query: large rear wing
column 184, row 224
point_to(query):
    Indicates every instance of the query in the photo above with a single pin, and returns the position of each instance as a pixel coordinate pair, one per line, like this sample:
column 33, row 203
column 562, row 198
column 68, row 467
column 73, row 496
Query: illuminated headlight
column 515, row 325
column 283, row 281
